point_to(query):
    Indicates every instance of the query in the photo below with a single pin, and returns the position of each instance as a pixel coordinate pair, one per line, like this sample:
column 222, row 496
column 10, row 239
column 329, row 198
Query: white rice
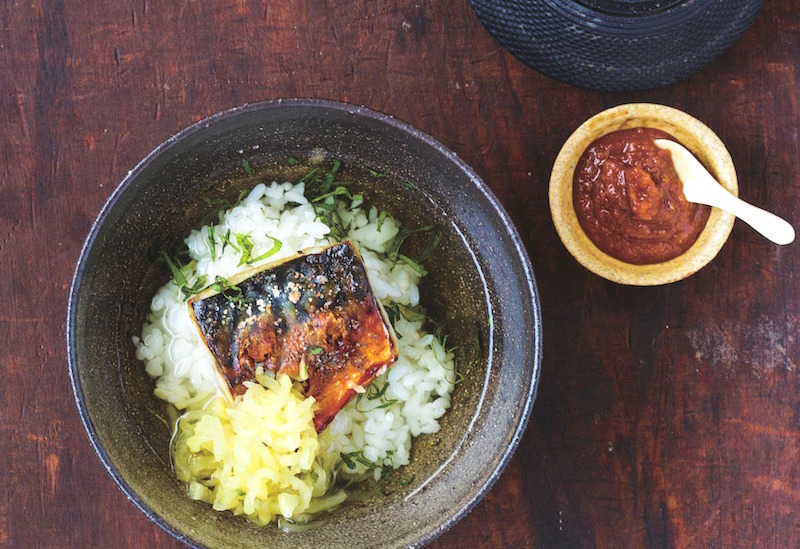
column 420, row 382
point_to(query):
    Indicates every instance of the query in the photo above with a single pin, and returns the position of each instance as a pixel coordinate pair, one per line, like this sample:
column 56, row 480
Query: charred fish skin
column 313, row 317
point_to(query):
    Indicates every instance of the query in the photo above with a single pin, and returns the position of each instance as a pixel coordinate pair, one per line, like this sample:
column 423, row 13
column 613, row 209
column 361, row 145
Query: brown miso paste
column 629, row 199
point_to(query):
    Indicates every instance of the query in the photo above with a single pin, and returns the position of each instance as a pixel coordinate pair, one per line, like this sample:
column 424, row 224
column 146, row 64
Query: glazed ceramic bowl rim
column 508, row 229
column 706, row 144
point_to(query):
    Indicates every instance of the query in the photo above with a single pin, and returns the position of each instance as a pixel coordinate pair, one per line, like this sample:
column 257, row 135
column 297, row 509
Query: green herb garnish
column 212, row 245
column 432, row 244
column 177, row 275
column 401, row 236
column 351, row 458
column 180, row 280
column 229, row 291
column 381, row 406
column 329, row 179
column 247, row 169
column 315, row 350
column 373, row 391
column 375, row 488
column 381, row 219
column 196, row 288
column 219, row 205
column 413, row 264
column 276, row 247
column 293, row 161
column 338, row 191
column 412, row 313
column 226, row 240
column 246, row 245
column 322, row 191
column 308, row 176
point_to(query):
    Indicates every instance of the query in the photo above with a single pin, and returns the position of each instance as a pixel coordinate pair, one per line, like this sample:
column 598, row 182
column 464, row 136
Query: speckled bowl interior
column 481, row 283
column 695, row 136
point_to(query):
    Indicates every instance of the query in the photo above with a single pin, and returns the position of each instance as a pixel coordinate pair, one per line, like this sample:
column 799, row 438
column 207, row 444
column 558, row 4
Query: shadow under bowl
column 481, row 283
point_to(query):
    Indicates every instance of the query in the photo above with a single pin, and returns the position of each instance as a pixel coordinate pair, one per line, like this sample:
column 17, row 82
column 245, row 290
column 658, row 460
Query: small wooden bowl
column 697, row 137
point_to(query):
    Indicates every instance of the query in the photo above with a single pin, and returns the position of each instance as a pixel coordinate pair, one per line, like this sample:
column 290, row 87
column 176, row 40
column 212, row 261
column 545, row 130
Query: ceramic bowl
column 481, row 279
column 695, row 136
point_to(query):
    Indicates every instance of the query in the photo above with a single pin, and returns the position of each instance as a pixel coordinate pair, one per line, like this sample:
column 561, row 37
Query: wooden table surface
column 666, row 417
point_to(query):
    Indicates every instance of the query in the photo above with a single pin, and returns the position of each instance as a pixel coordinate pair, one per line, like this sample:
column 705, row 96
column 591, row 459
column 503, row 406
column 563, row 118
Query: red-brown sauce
column 629, row 199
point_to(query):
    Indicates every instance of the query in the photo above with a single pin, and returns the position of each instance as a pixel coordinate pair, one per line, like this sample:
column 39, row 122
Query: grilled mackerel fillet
column 312, row 316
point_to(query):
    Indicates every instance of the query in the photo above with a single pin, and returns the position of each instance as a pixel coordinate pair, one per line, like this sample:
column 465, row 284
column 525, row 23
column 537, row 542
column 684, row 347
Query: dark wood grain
column 666, row 417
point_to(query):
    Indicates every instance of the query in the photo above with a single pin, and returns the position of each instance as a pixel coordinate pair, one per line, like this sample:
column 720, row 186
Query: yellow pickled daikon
column 257, row 456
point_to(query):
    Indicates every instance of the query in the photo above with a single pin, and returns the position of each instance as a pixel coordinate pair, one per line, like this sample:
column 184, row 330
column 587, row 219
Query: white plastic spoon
column 700, row 187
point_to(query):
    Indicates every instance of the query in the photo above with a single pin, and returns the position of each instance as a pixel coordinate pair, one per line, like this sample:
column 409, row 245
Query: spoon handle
column 699, row 186
column 768, row 224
